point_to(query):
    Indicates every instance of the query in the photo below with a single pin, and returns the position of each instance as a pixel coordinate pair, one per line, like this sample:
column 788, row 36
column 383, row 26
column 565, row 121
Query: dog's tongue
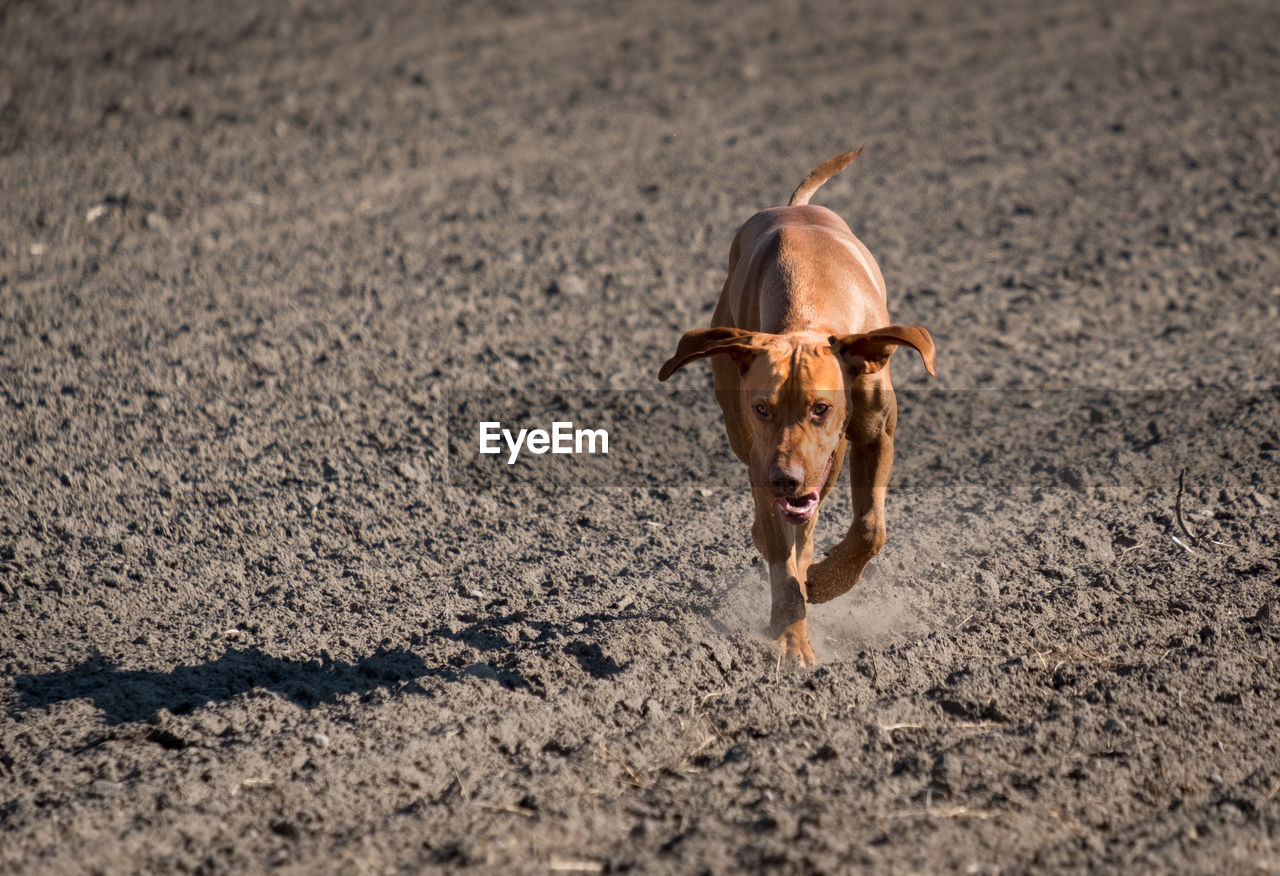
column 798, row 504
column 803, row 506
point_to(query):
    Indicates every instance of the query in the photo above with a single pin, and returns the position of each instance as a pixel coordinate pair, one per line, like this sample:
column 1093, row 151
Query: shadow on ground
column 135, row 695
column 508, row 632
column 126, row 695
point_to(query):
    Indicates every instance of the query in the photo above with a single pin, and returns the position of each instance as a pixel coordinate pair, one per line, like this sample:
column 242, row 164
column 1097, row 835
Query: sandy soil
column 250, row 254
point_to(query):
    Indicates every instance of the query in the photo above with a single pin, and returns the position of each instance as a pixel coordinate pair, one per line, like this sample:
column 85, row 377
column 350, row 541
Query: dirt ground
column 250, row 254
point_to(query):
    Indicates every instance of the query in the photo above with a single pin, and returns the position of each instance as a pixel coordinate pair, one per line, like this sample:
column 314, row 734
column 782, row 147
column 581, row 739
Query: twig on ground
column 887, row 729
column 254, row 783
column 947, row 812
column 1177, row 512
column 702, row 703
column 1067, row 653
column 979, row 726
column 1160, row 659
column 462, row 786
column 508, row 809
column 635, row 777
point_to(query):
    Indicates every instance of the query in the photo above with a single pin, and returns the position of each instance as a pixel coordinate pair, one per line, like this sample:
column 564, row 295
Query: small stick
column 889, row 728
column 457, row 775
column 1177, row 510
column 636, row 781
column 715, row 693
column 508, row 809
column 945, row 812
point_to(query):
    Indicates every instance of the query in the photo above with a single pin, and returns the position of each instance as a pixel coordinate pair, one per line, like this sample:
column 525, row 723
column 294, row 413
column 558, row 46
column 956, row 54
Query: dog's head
column 796, row 399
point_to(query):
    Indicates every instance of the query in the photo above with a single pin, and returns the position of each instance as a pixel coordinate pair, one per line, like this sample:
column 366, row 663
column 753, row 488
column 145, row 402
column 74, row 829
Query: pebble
column 266, row 359
column 410, row 473
column 569, row 284
column 105, row 788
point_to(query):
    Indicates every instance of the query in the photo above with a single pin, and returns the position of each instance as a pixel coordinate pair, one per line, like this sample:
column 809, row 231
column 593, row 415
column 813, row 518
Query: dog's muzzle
column 798, row 509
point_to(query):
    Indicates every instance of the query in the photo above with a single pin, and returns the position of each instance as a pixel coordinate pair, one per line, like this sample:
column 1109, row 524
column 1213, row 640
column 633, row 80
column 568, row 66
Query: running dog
column 800, row 346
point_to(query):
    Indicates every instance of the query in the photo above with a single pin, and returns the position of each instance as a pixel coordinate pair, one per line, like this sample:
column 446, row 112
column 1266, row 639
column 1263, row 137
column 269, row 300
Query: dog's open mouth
column 797, row 509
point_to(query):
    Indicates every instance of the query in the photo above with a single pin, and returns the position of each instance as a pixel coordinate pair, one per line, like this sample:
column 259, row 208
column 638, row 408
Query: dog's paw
column 794, row 647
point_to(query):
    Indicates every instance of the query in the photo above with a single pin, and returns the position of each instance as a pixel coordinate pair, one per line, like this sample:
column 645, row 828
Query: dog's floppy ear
column 700, row 343
column 867, row 353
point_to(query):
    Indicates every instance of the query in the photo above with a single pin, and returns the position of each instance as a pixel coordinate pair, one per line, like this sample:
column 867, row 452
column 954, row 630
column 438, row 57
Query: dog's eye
column 762, row 411
column 820, row 409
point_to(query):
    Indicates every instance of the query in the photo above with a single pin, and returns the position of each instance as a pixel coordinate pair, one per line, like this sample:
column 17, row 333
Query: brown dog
column 801, row 346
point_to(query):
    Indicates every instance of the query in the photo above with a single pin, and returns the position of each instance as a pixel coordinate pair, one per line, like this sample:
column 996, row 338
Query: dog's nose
column 786, row 478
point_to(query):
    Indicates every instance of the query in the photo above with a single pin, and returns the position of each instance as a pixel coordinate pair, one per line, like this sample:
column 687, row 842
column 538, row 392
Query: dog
column 800, row 346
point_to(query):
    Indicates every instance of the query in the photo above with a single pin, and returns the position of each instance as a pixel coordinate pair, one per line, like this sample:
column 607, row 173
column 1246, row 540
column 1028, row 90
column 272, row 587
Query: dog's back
column 800, row 268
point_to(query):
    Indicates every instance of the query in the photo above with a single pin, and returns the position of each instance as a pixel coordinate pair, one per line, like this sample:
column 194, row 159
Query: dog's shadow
column 126, row 695
column 492, row 635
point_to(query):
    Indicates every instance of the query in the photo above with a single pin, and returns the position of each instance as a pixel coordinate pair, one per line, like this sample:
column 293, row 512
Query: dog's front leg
column 870, row 466
column 788, row 549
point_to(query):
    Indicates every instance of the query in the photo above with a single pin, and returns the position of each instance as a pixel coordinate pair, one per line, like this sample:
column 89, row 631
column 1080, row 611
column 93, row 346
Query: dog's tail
column 821, row 174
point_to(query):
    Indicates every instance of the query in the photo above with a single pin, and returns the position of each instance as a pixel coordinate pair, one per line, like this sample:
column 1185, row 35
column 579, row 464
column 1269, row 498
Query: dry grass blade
column 1177, row 510
column 1061, row 655
column 889, row 728
column 458, row 776
column 636, row 780
column 947, row 812
column 575, row 865
column 508, row 809
column 979, row 726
